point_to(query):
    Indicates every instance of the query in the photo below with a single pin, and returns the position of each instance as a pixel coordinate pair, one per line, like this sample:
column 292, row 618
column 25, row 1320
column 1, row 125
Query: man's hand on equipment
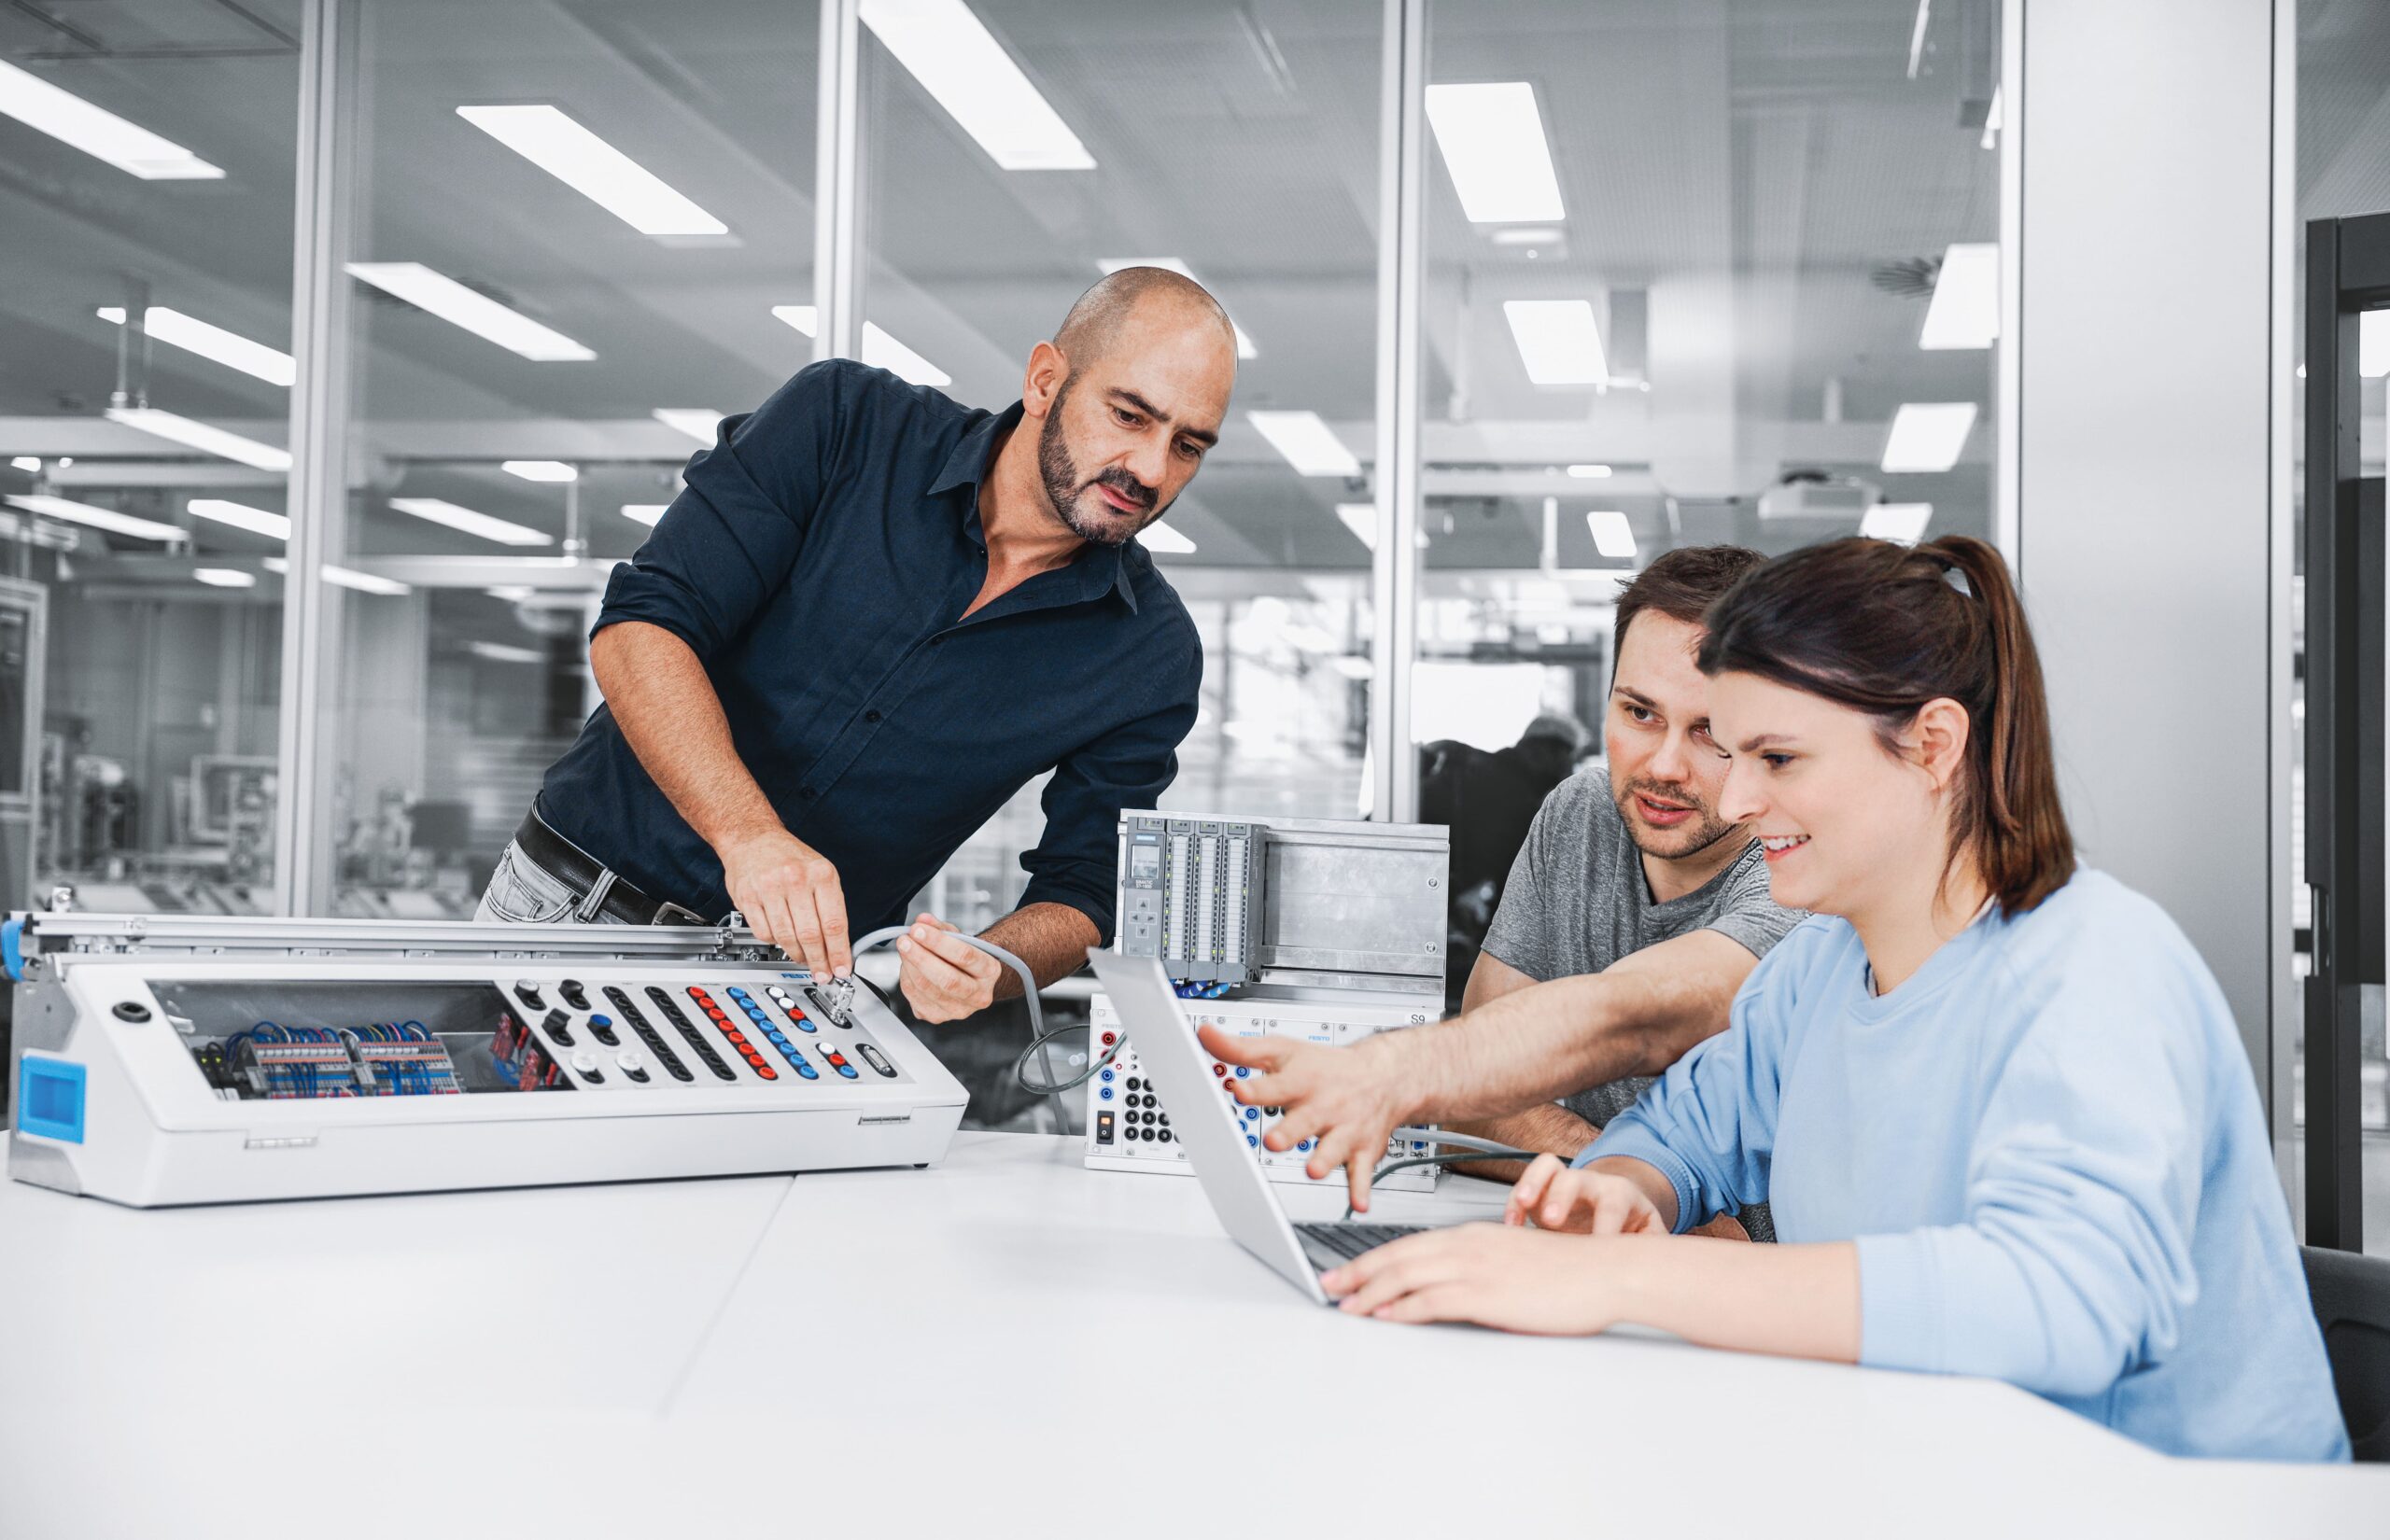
column 944, row 979
column 1350, row 1099
column 790, row 894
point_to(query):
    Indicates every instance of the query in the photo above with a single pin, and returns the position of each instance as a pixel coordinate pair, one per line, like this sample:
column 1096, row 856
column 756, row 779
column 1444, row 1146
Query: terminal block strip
column 277, row 1063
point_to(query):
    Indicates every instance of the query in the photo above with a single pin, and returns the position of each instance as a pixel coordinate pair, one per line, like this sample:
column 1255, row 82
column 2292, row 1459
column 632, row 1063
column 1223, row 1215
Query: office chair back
column 2352, row 1296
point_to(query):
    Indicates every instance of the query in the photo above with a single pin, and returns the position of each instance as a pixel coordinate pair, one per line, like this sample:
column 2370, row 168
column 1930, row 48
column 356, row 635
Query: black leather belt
column 585, row 874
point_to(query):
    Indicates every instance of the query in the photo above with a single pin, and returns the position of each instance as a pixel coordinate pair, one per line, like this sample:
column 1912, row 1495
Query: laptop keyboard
column 1331, row 1245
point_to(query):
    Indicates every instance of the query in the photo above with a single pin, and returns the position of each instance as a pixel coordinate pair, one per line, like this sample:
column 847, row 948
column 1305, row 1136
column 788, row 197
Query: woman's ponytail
column 2027, row 851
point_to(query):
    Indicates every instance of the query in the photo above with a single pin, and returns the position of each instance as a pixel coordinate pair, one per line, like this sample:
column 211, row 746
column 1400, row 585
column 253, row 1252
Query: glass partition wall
column 1690, row 274
column 574, row 231
column 1236, row 142
column 145, row 188
column 1697, row 275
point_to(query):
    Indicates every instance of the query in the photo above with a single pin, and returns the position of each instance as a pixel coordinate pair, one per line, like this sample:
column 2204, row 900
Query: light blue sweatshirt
column 2047, row 1147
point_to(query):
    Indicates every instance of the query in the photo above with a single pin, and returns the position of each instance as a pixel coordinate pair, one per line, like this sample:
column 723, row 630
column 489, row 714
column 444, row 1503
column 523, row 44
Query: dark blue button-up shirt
column 819, row 561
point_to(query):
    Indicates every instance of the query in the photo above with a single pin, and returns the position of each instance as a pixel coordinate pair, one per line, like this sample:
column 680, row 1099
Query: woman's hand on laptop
column 1347, row 1100
column 1513, row 1279
column 1553, row 1195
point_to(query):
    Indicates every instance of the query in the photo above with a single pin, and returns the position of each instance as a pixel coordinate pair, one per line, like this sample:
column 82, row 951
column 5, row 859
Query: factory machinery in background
column 1329, row 930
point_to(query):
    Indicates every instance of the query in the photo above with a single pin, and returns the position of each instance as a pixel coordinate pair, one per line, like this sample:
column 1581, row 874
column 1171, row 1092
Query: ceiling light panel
column 879, row 349
column 478, row 314
column 200, row 436
column 1613, row 537
column 540, row 470
column 225, row 577
column 560, row 145
column 257, row 521
column 1308, row 443
column 1557, row 341
column 963, row 66
column 97, row 132
column 501, row 652
column 1927, row 436
column 97, row 518
column 364, row 583
column 229, row 348
column 699, row 423
column 646, row 513
column 1494, row 146
column 1901, row 522
column 1965, row 312
column 1163, row 540
column 1362, row 519
column 464, row 519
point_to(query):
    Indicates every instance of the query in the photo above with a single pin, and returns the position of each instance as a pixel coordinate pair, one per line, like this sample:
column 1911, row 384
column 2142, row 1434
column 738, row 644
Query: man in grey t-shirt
column 1634, row 914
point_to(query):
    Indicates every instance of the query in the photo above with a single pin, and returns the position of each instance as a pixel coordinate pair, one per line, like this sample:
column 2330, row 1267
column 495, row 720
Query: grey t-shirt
column 1577, row 902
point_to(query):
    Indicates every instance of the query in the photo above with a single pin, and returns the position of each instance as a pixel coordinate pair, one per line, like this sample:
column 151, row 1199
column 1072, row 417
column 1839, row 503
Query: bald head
column 1148, row 296
column 1126, row 399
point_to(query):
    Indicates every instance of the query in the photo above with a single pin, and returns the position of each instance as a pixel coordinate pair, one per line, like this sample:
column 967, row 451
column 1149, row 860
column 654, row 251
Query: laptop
column 1205, row 1123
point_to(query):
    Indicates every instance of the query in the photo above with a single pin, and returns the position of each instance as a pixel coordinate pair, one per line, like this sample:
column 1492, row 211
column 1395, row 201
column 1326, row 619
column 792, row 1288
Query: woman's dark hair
column 1884, row 629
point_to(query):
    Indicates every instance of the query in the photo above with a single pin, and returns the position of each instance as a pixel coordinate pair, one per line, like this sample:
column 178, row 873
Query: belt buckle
column 669, row 912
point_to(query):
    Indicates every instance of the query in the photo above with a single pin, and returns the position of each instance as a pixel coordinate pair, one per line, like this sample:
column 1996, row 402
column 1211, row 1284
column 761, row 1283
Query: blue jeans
column 523, row 892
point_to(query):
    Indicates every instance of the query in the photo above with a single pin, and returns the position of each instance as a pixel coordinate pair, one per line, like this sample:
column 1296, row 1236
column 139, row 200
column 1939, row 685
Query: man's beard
column 1064, row 489
column 1687, row 839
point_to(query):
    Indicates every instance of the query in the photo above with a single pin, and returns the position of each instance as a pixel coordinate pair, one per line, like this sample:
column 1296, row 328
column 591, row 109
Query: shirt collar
column 1098, row 567
column 975, row 456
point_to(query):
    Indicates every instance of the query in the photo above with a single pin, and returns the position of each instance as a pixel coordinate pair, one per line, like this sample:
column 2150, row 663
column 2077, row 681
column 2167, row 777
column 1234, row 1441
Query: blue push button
column 602, row 1021
column 1253, row 1140
column 1242, row 1073
column 1105, row 1094
column 49, row 1098
column 805, row 1069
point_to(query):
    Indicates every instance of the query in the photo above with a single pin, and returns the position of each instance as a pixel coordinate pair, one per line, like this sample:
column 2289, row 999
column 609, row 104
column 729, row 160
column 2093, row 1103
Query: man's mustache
column 1682, row 795
column 1129, row 486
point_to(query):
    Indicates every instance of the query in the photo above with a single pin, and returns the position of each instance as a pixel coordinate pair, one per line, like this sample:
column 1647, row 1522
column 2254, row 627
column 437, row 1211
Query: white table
column 1005, row 1344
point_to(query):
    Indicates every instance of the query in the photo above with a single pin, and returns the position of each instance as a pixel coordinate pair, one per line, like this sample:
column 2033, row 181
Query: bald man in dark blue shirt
column 871, row 616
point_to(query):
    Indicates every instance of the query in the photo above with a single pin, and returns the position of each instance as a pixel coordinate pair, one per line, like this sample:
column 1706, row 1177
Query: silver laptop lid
column 1205, row 1119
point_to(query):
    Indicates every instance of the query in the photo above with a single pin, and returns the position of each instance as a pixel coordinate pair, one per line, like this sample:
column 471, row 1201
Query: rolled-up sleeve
column 1129, row 767
column 730, row 538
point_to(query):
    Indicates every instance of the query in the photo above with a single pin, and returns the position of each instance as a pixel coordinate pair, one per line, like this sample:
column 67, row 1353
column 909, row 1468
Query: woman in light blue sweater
column 1997, row 1102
